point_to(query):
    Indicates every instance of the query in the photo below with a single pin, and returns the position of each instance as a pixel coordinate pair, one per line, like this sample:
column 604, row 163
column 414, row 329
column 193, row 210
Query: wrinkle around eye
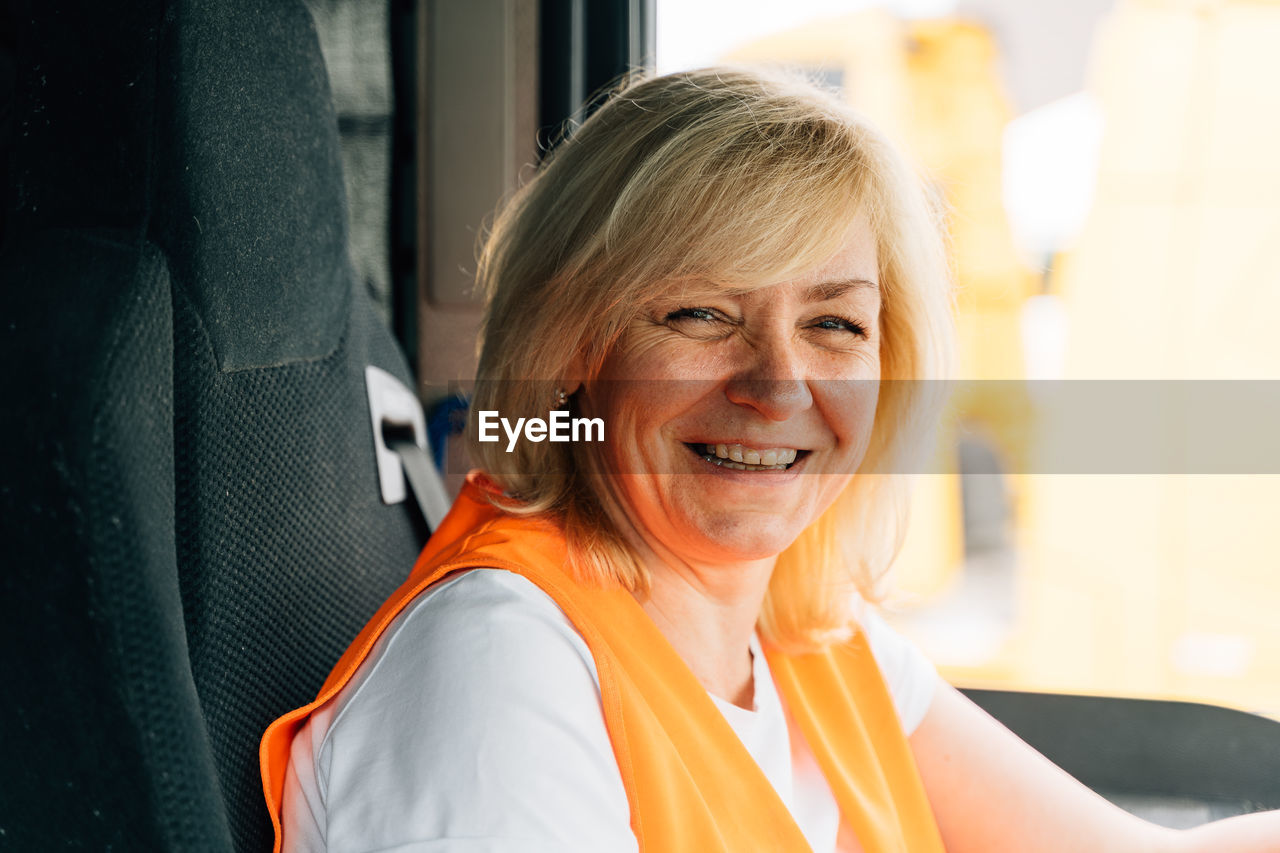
column 698, row 314
column 700, row 323
column 842, row 324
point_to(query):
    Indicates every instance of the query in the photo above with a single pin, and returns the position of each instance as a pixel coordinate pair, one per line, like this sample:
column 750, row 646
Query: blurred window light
column 1044, row 328
column 693, row 33
column 1215, row 655
column 1050, row 172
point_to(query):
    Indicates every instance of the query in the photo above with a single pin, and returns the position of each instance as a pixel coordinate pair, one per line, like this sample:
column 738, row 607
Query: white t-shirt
column 475, row 726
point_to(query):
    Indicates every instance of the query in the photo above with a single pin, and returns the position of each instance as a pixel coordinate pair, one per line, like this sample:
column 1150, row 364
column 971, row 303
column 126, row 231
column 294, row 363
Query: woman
column 655, row 642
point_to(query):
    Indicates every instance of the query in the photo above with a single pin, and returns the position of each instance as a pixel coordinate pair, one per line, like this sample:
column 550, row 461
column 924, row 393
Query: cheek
column 853, row 411
column 635, row 414
column 851, row 399
column 618, row 451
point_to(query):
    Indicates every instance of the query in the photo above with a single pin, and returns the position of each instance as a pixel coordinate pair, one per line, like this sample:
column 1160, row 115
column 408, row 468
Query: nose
column 772, row 380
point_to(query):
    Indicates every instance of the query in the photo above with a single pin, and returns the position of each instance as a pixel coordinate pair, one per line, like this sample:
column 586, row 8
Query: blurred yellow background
column 1157, row 585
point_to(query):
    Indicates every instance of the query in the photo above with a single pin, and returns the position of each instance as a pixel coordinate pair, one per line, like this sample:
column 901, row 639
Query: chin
column 740, row 540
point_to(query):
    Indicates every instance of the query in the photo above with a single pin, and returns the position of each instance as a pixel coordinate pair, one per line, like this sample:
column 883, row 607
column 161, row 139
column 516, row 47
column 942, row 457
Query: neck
column 708, row 614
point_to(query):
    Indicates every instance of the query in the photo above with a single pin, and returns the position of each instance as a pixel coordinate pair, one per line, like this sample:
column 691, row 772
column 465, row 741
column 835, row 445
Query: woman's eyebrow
column 835, row 289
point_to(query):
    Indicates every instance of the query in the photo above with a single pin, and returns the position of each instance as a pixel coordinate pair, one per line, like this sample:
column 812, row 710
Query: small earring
column 561, row 398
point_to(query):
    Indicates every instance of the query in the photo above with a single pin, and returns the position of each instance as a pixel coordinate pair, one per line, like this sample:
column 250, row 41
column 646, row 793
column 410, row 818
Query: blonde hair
column 732, row 175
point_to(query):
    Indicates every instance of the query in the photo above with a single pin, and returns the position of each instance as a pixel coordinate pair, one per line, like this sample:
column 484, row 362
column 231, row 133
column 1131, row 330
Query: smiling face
column 733, row 420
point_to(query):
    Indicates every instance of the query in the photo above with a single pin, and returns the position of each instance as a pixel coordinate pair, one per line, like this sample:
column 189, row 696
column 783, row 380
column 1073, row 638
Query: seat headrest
column 207, row 128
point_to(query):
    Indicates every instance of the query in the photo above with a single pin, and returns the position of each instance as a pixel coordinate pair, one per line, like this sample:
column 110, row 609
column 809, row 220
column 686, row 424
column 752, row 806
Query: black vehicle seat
column 191, row 507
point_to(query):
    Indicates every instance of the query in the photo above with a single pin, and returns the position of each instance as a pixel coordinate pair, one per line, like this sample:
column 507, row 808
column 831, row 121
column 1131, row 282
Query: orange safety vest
column 691, row 784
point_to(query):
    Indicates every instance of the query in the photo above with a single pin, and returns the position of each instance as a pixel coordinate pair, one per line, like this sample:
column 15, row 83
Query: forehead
column 849, row 263
column 855, row 258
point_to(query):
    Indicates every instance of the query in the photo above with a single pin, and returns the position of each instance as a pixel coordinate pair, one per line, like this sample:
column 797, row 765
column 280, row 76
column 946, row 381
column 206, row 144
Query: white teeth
column 725, row 463
column 741, row 458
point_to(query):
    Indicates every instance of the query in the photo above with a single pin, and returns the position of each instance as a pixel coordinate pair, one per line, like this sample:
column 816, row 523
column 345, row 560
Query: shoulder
column 476, row 715
column 473, row 616
column 481, row 634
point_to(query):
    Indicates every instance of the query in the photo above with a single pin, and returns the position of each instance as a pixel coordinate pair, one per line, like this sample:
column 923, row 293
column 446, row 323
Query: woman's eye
column 703, row 324
column 703, row 314
column 840, row 324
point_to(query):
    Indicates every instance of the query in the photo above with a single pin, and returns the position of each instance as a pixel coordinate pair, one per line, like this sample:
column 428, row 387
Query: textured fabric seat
column 192, row 523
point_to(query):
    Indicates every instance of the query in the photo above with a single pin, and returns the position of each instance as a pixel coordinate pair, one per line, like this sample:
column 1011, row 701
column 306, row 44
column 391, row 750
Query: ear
column 575, row 373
